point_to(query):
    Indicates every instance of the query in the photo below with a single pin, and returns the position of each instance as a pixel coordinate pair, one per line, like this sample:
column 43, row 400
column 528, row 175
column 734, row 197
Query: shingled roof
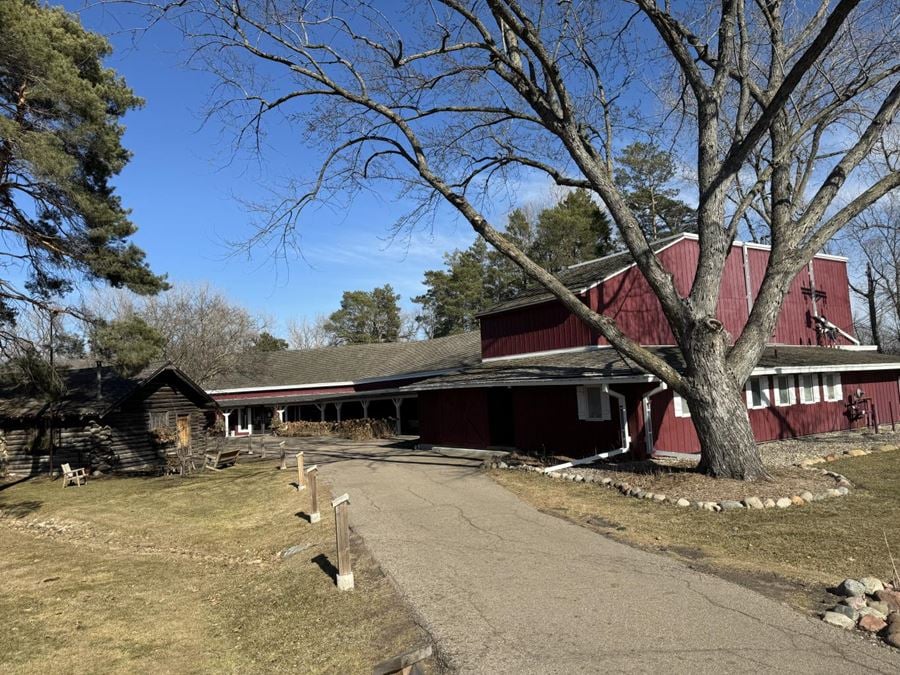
column 19, row 399
column 606, row 363
column 578, row 278
column 351, row 363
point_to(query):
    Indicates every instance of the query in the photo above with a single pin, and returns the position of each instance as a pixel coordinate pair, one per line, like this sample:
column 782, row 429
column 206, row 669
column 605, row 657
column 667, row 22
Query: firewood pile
column 354, row 430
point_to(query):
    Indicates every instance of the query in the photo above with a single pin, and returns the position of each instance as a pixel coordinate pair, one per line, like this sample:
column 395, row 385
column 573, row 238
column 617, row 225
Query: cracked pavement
column 504, row 588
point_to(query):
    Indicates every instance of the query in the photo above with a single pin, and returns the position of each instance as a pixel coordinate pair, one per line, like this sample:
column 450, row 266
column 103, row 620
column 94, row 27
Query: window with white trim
column 831, row 386
column 784, row 390
column 681, row 406
column 757, row 392
column 593, row 404
column 809, row 388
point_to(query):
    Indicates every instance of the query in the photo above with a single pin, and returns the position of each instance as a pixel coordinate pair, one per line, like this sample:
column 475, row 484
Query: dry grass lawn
column 793, row 553
column 182, row 575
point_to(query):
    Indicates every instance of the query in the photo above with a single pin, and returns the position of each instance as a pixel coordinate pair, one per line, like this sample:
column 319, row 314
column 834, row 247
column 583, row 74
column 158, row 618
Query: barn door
column 183, row 431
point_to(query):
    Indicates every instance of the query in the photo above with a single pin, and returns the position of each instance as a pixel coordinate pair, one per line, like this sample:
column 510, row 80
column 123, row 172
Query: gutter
column 626, row 437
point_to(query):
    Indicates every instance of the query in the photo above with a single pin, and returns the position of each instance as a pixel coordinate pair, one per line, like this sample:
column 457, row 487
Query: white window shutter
column 765, row 392
column 748, row 392
column 583, row 413
column 604, row 407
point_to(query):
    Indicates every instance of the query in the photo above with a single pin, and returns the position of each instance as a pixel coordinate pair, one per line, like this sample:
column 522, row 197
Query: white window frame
column 584, row 407
column 792, row 391
column 836, row 383
column 764, row 396
column 816, row 397
column 681, row 406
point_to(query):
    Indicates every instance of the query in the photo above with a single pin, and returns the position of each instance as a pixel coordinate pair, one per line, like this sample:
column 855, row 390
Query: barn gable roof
column 350, row 364
column 19, row 400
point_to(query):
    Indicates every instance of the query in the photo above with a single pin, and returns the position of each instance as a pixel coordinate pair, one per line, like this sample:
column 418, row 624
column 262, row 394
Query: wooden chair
column 70, row 475
column 221, row 458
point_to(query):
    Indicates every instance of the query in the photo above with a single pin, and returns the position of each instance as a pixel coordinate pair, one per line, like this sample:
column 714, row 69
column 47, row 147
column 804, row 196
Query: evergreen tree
column 573, row 231
column 129, row 344
column 266, row 342
column 456, row 294
column 366, row 316
column 60, row 145
column 645, row 173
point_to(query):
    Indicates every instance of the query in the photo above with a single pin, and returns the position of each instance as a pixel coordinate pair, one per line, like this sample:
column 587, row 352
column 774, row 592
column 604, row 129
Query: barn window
column 784, row 390
column 758, row 392
column 681, row 406
column 831, row 383
column 159, row 420
column 809, row 388
column 593, row 404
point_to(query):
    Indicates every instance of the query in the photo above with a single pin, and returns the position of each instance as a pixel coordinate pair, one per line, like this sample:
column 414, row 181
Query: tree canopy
column 129, row 343
column 266, row 342
column 367, row 316
column 60, row 146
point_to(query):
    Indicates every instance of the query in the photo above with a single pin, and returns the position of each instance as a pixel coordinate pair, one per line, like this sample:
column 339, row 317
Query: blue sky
column 183, row 189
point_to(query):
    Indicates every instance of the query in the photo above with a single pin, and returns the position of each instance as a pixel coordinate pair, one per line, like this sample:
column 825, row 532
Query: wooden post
column 341, row 507
column 311, row 479
column 301, row 478
column 283, row 465
column 875, row 417
column 893, row 421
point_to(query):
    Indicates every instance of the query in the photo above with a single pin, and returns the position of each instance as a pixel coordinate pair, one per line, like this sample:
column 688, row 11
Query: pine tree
column 366, row 316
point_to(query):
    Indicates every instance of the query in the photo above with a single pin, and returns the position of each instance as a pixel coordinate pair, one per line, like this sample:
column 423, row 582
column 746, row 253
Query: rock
column 893, row 639
column 880, row 607
column 843, row 490
column 659, row 498
column 831, row 458
column 502, row 465
column 849, row 612
column 871, row 611
column 832, row 492
column 797, row 500
column 856, row 602
column 872, row 584
column 886, row 447
column 606, row 480
column 857, row 452
column 682, row 502
column 843, row 482
column 783, row 502
column 753, row 503
column 579, row 478
column 96, row 472
column 871, row 624
column 649, row 495
column 839, row 620
column 850, row 587
column 769, row 503
column 730, row 505
column 808, row 496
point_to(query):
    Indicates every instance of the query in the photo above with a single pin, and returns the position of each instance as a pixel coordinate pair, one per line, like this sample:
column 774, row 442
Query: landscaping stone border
column 870, row 605
column 855, row 452
column 842, row 489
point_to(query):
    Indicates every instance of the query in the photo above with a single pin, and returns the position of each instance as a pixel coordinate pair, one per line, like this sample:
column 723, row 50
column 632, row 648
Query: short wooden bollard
column 301, row 478
column 311, row 474
column 341, row 507
column 283, row 464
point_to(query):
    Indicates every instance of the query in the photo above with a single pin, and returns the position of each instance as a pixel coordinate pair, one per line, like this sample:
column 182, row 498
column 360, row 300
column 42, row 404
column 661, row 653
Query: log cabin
column 103, row 420
column 537, row 379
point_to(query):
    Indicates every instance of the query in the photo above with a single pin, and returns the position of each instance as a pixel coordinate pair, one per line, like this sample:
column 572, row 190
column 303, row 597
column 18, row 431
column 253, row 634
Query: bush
column 355, row 430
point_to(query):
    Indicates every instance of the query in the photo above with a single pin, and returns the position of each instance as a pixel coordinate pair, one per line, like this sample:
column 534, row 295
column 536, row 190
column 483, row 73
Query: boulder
column 753, row 503
column 769, row 503
column 839, row 620
column 797, row 500
column 893, row 639
column 843, row 490
column 857, row 602
column 832, row 492
column 849, row 612
column 871, row 624
column 730, row 505
column 850, row 588
column 807, row 496
column 857, row 452
column 682, row 502
column 872, row 584
column 782, row 503
column 890, row 598
column 657, row 497
column 880, row 607
column 871, row 611
column 831, row 458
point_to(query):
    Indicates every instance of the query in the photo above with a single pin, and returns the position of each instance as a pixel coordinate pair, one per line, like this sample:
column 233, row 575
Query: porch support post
column 365, row 407
column 337, row 407
column 226, row 415
column 321, row 407
column 280, row 414
column 397, row 403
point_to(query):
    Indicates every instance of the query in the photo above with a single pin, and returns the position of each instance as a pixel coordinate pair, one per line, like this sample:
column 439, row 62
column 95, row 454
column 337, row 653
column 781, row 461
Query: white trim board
column 348, row 383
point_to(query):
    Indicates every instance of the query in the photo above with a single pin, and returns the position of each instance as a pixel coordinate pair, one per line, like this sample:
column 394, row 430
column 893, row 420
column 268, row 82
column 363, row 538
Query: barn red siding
column 629, row 299
column 454, row 417
column 677, row 434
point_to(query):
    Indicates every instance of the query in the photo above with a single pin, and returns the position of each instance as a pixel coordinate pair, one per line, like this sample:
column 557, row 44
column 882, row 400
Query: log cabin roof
column 20, row 399
column 605, row 363
column 351, row 363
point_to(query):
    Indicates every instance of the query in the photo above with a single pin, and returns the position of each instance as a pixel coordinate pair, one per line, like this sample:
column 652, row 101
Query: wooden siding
column 454, row 417
column 629, row 299
column 677, row 434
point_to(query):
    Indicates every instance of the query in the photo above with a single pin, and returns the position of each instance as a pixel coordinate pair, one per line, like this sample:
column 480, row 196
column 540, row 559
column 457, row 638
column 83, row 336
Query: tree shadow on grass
column 19, row 509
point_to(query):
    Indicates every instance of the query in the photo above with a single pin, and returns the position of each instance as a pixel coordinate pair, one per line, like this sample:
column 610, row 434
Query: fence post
column 283, row 465
column 875, row 417
column 301, row 479
column 341, row 507
column 893, row 421
column 311, row 478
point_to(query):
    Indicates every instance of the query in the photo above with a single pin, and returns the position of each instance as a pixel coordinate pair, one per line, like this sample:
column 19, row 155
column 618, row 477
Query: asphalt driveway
column 504, row 588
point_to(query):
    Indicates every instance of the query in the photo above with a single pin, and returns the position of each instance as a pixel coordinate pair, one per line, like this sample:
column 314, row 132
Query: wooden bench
column 70, row 475
column 221, row 458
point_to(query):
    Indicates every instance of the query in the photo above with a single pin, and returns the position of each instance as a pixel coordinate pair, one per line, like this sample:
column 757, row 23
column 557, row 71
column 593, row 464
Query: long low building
column 538, row 379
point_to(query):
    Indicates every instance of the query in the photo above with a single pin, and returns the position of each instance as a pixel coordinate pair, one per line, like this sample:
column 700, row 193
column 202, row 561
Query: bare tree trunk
column 871, row 292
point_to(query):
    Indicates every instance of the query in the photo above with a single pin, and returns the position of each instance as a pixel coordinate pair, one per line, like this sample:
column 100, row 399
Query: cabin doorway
column 183, row 431
column 500, row 416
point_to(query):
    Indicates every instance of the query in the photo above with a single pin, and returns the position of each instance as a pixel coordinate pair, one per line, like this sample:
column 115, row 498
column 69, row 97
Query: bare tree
column 309, row 333
column 778, row 102
column 206, row 334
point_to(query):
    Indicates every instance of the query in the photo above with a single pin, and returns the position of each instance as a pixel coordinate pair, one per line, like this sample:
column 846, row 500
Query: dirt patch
column 682, row 480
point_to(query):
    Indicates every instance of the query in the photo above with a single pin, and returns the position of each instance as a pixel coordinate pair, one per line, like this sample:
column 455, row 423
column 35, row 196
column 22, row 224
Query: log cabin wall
column 75, row 442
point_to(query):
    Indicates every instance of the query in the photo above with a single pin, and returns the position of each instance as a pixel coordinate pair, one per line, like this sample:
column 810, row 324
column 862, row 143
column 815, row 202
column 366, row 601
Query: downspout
column 626, row 437
column 748, row 288
column 649, row 435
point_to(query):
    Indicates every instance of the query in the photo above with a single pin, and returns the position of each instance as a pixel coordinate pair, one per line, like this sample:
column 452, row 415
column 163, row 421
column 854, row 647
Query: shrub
column 355, row 430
